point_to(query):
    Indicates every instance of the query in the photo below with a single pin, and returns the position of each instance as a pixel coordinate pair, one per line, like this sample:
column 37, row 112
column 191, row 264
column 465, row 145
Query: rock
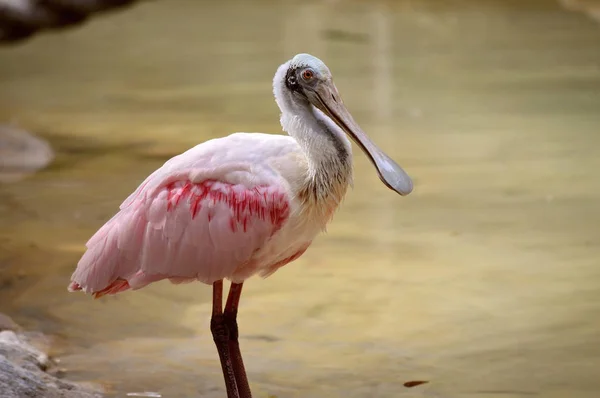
column 22, row 372
column 20, row 19
column 589, row 7
column 21, row 153
column 6, row 323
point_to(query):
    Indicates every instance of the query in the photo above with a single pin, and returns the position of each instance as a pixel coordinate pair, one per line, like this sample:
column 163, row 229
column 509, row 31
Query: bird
column 237, row 206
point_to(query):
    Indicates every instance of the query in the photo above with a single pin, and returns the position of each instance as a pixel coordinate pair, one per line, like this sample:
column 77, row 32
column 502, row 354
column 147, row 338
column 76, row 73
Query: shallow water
column 484, row 281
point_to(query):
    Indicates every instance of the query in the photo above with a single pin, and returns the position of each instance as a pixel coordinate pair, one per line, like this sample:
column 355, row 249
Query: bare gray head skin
column 309, row 79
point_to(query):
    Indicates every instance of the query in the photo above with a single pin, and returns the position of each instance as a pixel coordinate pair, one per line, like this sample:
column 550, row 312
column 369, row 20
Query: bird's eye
column 308, row 74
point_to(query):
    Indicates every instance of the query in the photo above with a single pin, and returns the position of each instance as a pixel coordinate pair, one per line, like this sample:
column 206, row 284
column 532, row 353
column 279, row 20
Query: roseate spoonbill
column 238, row 206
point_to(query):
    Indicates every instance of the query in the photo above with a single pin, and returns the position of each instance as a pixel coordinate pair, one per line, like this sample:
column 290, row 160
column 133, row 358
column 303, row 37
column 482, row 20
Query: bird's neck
column 327, row 149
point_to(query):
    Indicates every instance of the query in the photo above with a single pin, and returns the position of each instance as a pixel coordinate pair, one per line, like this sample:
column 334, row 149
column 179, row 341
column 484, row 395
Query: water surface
column 484, row 281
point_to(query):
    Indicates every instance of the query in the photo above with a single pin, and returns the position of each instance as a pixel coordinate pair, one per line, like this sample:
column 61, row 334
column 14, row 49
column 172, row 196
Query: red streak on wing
column 291, row 258
column 126, row 254
column 117, row 286
column 170, row 196
column 261, row 202
column 274, row 267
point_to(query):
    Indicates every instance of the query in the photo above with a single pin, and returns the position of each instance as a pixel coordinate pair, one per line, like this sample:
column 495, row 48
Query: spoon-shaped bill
column 326, row 98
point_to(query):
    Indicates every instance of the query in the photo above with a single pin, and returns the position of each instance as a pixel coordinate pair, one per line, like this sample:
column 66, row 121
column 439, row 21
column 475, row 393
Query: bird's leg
column 220, row 333
column 230, row 314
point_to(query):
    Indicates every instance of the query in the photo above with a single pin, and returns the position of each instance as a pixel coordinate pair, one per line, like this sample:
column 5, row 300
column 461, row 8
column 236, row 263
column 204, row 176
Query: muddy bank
column 27, row 371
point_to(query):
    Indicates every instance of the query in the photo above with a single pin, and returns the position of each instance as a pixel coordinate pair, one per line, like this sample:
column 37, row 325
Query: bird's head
column 304, row 81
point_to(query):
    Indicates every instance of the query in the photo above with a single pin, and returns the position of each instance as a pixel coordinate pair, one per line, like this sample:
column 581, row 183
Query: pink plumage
column 199, row 217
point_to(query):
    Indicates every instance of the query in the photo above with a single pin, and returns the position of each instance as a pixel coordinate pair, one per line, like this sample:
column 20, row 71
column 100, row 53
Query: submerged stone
column 7, row 323
column 21, row 153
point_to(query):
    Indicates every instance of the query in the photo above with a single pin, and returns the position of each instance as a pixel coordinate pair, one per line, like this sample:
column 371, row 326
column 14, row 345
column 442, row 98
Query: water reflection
column 483, row 281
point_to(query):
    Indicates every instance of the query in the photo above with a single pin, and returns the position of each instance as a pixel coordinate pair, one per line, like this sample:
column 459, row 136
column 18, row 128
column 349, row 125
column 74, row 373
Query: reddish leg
column 221, row 336
column 230, row 314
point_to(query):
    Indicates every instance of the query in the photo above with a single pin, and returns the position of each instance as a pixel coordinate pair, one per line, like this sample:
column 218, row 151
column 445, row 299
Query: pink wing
column 183, row 231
